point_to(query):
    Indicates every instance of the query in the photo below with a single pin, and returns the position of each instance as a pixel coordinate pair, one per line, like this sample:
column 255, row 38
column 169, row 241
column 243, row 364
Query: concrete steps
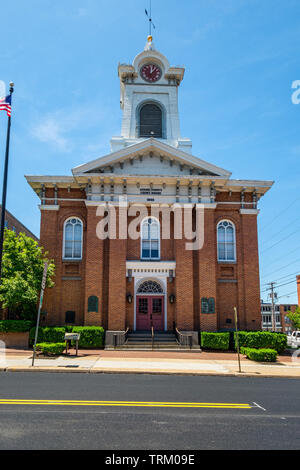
column 142, row 341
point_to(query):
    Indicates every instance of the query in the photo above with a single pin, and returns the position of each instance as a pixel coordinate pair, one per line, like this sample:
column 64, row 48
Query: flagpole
column 4, row 188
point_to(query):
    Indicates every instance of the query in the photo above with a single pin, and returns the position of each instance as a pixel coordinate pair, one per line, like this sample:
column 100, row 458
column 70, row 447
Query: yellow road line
column 9, row 401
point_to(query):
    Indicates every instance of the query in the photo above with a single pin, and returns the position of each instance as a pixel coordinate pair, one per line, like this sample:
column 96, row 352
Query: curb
column 144, row 372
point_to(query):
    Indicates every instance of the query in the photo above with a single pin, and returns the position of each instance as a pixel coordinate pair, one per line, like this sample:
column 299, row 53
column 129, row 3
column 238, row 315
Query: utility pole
column 273, row 295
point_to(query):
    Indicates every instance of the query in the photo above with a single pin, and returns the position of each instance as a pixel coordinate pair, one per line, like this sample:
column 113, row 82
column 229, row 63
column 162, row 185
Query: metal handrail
column 185, row 339
column 117, row 337
column 152, row 333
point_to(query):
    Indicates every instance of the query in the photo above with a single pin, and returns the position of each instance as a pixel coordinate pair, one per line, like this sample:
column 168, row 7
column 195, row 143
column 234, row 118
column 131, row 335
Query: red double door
column 149, row 312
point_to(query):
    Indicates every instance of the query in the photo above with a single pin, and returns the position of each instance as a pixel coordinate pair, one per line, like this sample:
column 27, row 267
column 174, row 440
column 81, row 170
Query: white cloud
column 49, row 131
column 70, row 128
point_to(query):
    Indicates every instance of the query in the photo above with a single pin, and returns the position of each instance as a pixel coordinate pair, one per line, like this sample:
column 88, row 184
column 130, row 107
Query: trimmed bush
column 51, row 349
column 13, row 326
column 260, row 355
column 90, row 336
column 262, row 339
column 215, row 340
column 48, row 334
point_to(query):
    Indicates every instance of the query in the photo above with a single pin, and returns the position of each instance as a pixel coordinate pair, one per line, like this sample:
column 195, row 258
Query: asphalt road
column 269, row 417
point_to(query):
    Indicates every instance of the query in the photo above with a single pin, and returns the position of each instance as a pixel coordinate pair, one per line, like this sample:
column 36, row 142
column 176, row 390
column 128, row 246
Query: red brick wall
column 68, row 292
column 184, row 312
column 12, row 223
column 94, row 269
column 207, row 271
column 102, row 272
column 117, row 283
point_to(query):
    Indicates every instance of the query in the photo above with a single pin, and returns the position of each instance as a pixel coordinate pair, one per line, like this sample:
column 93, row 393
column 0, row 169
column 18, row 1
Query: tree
column 295, row 318
column 22, row 272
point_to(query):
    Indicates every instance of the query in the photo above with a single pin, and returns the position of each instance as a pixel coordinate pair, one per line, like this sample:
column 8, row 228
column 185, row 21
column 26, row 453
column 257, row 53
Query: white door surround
column 158, row 271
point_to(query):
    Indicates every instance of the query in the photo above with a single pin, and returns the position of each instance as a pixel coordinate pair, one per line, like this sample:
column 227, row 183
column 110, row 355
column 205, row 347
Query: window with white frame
column 72, row 248
column 150, row 239
column 226, row 241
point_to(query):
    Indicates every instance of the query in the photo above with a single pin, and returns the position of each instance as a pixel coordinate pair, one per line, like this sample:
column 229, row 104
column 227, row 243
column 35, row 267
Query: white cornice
column 151, row 265
column 249, row 211
column 49, row 207
column 148, row 145
column 49, row 179
column 249, row 183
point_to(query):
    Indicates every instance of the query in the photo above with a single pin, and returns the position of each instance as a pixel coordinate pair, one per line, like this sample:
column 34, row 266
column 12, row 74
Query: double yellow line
column 154, row 404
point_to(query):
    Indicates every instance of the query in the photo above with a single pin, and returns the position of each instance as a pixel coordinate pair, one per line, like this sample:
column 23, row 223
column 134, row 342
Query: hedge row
column 48, row 334
column 90, row 336
column 51, row 349
column 215, row 341
column 260, row 355
column 13, row 326
column 262, row 339
column 252, row 339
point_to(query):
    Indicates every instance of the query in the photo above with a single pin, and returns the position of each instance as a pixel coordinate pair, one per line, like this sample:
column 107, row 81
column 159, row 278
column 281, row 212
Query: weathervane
column 149, row 16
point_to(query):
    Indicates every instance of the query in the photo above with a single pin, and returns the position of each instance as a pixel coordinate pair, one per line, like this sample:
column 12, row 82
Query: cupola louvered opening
column 151, row 121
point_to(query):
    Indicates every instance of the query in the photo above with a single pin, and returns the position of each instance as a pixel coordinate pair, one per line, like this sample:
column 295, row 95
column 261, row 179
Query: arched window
column 150, row 287
column 226, row 241
column 150, row 239
column 72, row 248
column 151, row 121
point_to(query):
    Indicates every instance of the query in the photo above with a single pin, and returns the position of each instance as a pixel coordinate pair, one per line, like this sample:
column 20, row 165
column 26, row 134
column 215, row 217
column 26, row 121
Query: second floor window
column 150, row 239
column 226, row 241
column 72, row 239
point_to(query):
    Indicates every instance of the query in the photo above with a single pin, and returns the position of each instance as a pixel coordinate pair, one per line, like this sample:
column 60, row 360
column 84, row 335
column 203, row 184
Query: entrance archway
column 150, row 309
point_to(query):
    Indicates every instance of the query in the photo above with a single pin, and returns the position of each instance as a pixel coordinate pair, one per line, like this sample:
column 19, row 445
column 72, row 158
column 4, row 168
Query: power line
column 282, row 277
column 281, row 285
column 284, row 256
column 280, row 213
column 280, row 269
column 277, row 233
column 287, row 280
column 286, row 295
column 285, row 238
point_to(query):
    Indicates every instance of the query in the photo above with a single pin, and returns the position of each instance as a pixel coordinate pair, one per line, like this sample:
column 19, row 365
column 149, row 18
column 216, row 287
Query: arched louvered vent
column 151, row 121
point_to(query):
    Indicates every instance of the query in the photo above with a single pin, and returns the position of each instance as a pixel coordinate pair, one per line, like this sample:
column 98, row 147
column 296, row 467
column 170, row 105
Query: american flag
column 5, row 105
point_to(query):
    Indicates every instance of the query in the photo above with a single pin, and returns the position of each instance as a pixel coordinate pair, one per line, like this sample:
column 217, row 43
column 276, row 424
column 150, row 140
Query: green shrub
column 51, row 349
column 90, row 336
column 215, row 340
column 262, row 339
column 11, row 326
column 48, row 334
column 260, row 355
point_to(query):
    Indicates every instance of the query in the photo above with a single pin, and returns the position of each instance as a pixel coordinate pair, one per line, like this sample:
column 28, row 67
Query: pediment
column 150, row 157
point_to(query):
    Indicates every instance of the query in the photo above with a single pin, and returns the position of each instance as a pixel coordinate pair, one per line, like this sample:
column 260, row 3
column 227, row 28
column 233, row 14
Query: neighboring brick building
column 14, row 224
column 121, row 281
column 283, row 323
column 298, row 288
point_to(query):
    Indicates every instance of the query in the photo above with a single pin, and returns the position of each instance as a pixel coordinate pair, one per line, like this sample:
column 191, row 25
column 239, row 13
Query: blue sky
column 241, row 57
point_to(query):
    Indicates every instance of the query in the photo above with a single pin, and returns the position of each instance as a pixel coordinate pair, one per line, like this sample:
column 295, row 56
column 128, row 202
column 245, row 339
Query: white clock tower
column 149, row 100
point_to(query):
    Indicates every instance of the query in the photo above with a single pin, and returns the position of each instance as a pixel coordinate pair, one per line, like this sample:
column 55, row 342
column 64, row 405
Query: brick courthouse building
column 124, row 281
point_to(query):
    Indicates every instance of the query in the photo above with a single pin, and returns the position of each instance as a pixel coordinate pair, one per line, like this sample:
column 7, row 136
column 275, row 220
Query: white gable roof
column 150, row 147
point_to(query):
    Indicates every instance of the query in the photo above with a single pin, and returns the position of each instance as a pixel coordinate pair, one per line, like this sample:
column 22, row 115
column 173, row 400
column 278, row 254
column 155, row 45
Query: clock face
column 151, row 73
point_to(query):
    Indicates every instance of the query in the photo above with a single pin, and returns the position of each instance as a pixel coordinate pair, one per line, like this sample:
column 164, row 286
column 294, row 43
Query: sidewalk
column 149, row 362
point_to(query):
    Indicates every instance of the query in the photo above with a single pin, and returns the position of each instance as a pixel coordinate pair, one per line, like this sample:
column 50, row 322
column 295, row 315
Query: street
column 126, row 412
